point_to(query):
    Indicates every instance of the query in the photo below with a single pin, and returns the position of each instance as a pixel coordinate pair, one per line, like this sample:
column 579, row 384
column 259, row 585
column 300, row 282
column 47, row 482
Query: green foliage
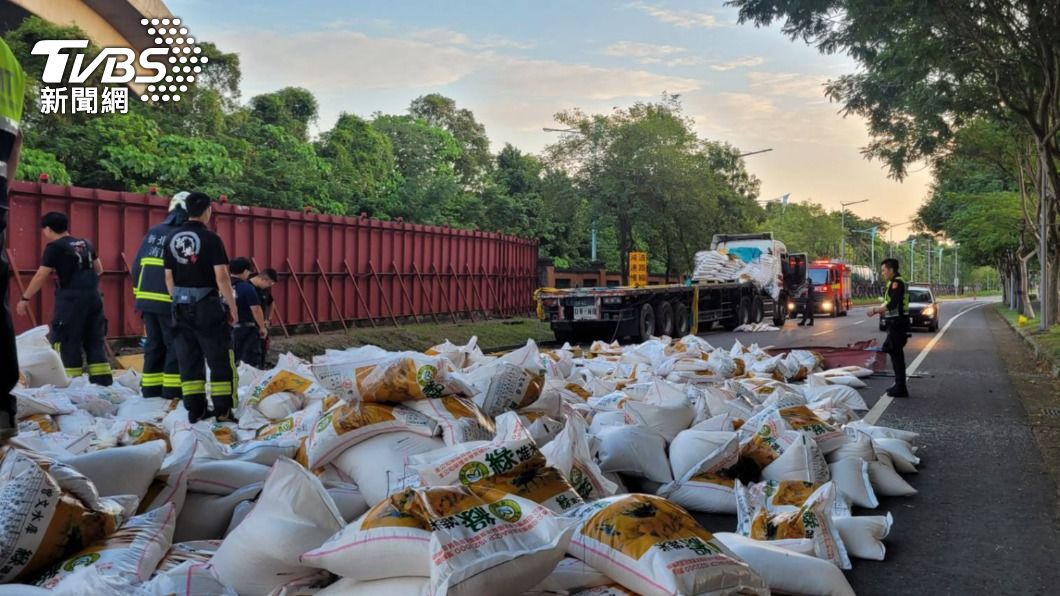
column 440, row 111
column 290, row 108
column 805, row 228
column 35, row 162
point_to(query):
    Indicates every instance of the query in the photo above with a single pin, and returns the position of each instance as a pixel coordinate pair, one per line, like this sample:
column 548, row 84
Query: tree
column 804, row 227
column 364, row 171
column 474, row 160
column 926, row 69
column 290, row 108
column 34, row 162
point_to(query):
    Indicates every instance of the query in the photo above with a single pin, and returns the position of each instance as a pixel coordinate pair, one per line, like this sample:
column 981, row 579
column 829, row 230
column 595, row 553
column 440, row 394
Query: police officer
column 78, row 326
column 248, row 338
column 895, row 311
column 203, row 306
column 161, row 376
column 12, row 91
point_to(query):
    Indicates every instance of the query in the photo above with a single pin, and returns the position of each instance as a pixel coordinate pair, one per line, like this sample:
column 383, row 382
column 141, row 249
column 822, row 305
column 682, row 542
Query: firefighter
column 895, row 311
column 78, row 326
column 810, row 305
column 248, row 338
column 263, row 282
column 161, row 376
column 12, row 93
column 203, row 309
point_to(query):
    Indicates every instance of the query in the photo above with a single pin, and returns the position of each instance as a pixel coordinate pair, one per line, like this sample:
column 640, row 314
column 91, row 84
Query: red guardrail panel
column 463, row 269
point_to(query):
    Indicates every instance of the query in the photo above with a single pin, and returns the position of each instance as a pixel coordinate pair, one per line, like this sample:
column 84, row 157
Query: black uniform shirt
column 265, row 299
column 192, row 253
column 73, row 260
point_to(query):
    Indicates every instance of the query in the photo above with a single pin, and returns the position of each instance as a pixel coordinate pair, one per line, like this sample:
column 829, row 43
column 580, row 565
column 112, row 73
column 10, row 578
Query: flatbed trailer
column 615, row 313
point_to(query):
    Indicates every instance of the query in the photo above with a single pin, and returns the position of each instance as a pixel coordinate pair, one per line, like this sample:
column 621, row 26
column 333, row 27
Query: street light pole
column 956, row 249
column 843, row 224
column 912, row 261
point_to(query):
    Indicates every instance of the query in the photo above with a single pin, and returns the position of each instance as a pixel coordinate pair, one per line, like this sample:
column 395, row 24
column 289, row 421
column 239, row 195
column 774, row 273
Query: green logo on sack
column 473, row 472
column 324, row 422
column 136, row 432
column 82, row 561
column 507, row 509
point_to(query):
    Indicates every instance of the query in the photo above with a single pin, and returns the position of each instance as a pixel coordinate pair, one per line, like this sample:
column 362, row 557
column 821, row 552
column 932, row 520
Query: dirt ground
column 1039, row 392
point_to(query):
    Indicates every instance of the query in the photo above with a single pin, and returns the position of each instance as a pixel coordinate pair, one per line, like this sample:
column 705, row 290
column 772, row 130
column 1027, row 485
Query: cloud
column 790, row 84
column 645, row 53
column 455, row 38
column 684, row 19
column 549, row 78
column 744, row 62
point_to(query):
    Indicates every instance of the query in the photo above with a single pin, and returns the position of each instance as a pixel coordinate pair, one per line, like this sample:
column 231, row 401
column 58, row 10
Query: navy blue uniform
column 248, row 344
column 161, row 374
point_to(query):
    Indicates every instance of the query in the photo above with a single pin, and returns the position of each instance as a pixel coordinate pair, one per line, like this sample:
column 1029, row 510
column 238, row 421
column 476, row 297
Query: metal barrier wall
column 337, row 270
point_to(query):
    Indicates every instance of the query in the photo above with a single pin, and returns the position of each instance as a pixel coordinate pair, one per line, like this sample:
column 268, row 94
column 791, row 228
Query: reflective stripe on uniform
column 141, row 295
column 235, row 377
column 74, row 372
column 193, row 387
column 170, row 380
column 221, row 388
column 100, row 368
column 152, row 261
column 151, row 380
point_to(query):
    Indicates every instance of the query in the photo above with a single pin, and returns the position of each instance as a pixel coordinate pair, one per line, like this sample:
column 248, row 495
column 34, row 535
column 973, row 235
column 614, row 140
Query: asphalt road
column 984, row 521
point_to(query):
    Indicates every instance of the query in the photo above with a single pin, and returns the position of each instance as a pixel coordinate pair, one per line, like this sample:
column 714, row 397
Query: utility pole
column 928, row 254
column 941, row 248
column 843, row 224
column 956, row 249
column 912, row 261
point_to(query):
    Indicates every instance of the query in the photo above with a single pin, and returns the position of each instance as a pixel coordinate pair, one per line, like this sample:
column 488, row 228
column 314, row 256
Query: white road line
column 823, row 332
column 885, row 400
column 859, row 322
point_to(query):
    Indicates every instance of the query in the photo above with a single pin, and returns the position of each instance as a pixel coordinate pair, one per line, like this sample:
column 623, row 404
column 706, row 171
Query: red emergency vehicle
column 832, row 289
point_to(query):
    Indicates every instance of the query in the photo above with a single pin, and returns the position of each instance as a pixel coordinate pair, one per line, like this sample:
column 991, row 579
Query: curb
column 1053, row 362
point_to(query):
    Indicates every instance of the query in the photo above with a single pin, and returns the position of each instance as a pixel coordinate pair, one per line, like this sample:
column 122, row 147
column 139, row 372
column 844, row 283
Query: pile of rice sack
column 563, row 471
column 726, row 266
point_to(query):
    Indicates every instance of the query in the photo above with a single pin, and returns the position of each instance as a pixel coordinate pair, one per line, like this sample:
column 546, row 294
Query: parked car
column 923, row 309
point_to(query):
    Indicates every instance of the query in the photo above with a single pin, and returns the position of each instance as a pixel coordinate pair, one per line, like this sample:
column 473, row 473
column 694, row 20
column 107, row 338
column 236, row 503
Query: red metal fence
column 337, row 270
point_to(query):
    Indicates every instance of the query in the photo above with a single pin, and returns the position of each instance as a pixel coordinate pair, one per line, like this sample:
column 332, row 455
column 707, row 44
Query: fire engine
column 831, row 288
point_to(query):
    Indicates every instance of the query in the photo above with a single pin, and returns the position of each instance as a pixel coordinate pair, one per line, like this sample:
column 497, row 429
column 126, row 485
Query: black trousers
column 78, row 332
column 204, row 337
column 161, row 368
column 249, row 347
column 807, row 312
column 894, row 346
column 8, row 356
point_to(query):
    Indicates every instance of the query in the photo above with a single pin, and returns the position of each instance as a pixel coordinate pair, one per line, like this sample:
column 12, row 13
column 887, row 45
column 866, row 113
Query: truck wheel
column 664, row 319
column 780, row 312
column 758, row 311
column 646, row 323
column 682, row 322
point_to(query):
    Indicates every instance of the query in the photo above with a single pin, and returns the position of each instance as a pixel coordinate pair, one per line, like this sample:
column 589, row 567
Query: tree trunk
column 1025, row 286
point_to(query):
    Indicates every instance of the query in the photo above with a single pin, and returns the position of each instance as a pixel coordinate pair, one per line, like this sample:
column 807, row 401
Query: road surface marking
column 823, row 332
column 885, row 400
column 859, row 322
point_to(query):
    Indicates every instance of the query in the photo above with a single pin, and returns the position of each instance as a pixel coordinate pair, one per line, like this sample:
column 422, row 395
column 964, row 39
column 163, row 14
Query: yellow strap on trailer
column 694, row 330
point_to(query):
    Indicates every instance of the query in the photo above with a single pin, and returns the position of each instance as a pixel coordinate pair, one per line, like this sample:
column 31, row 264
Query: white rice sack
column 483, row 539
column 654, row 547
column 800, row 460
column 347, row 424
column 348, row 499
column 818, row 391
column 189, row 578
column 786, row 571
column 46, row 400
column 634, row 450
column 878, row 432
column 813, row 519
column 145, row 409
column 706, row 486
column 222, row 477
column 842, row 379
column 569, row 453
column 459, row 419
column 570, row 575
column 131, row 553
column 664, row 408
column 170, row 485
column 851, row 477
column 401, row 376
column 294, row 514
column 37, row 361
column 391, row 540
column 280, row 405
column 501, row 386
column 899, row 450
column 689, row 448
column 403, row 586
column 208, row 516
column 121, row 470
column 885, row 480
column 377, row 465
column 602, row 420
column 863, row 535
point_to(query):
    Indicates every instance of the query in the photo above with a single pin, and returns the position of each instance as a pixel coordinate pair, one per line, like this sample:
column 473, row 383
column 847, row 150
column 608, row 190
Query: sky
column 516, row 63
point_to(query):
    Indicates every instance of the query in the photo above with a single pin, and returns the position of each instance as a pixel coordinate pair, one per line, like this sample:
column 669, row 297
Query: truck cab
column 788, row 272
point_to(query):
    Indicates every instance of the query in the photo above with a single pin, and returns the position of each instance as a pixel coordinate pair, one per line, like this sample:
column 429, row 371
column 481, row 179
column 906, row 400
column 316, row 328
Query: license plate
column 582, row 313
